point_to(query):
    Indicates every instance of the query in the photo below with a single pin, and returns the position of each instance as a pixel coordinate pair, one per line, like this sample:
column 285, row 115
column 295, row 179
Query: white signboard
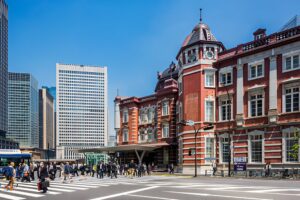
column 9, row 151
column 240, row 159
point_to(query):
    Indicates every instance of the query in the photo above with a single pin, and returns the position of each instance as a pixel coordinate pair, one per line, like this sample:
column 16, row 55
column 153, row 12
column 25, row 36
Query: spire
column 200, row 15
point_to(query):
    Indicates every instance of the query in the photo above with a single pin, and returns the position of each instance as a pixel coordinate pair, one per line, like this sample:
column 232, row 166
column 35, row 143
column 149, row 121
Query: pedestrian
column 10, row 173
column 149, row 169
column 31, row 171
column 54, row 169
column 51, row 171
column 67, row 170
column 75, row 169
column 108, row 169
column 139, row 169
column 82, row 169
column 113, row 172
column 61, row 172
column 25, row 176
column 43, row 177
column 101, row 170
column 126, row 170
column 268, row 169
column 94, row 170
column 214, row 166
column 171, row 168
column 131, row 170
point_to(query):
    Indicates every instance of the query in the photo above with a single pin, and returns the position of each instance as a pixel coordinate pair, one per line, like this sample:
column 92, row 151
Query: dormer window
column 259, row 34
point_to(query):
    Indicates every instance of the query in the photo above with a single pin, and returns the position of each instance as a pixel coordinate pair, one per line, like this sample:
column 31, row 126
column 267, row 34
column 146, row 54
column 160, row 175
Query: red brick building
column 151, row 120
column 250, row 93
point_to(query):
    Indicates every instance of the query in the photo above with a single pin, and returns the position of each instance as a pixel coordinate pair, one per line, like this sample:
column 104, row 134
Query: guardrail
column 293, row 173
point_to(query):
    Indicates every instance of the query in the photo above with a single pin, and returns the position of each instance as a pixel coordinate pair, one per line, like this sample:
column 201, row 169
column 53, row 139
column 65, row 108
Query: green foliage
column 296, row 146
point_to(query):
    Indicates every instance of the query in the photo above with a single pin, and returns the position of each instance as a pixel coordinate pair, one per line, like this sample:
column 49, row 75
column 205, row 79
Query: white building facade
column 81, row 106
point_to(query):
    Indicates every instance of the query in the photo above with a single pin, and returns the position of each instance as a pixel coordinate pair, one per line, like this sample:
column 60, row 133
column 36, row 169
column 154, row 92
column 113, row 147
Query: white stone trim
column 256, row 63
column 290, row 54
column 210, row 72
column 209, row 99
column 284, row 137
column 240, row 89
column 253, row 133
column 256, row 92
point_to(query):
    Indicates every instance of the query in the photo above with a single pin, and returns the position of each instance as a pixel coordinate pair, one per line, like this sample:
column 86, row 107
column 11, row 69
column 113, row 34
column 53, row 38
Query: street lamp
column 196, row 131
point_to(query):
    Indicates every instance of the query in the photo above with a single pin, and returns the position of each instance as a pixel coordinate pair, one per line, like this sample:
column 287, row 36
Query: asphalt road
column 159, row 187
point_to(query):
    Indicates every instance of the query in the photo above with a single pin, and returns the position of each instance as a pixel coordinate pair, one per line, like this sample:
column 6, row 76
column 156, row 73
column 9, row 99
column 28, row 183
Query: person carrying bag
column 44, row 183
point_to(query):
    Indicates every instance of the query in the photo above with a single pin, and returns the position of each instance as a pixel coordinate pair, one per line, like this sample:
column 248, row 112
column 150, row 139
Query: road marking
column 22, row 193
column 215, row 195
column 6, row 196
column 150, row 197
column 125, row 193
column 284, row 194
column 49, row 188
column 273, row 190
column 233, row 187
column 32, row 190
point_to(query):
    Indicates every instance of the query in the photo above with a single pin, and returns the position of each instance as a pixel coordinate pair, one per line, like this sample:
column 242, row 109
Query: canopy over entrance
column 139, row 149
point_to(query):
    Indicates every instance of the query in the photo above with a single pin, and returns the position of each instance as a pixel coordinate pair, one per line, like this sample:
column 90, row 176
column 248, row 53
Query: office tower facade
column 23, row 117
column 46, row 119
column 3, row 66
column 81, row 107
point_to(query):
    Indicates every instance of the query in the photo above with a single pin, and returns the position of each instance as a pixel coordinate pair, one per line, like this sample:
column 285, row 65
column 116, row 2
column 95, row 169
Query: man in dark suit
column 43, row 175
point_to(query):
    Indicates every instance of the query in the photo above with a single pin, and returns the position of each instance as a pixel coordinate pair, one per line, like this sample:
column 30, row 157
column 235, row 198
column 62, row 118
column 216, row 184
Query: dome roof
column 201, row 32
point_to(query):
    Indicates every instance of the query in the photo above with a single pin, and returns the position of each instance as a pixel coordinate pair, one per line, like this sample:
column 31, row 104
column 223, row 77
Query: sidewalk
column 221, row 177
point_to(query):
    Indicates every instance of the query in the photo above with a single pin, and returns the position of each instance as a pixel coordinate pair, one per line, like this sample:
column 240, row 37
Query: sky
column 133, row 38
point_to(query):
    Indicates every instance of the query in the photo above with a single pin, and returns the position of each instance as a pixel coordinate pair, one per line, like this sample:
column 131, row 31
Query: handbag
column 45, row 184
column 39, row 186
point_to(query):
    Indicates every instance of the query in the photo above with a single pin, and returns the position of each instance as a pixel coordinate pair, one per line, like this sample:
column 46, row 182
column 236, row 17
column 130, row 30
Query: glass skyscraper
column 81, row 108
column 23, row 104
column 3, row 67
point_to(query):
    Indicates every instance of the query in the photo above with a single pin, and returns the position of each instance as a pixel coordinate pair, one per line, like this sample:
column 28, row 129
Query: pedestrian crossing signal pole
column 196, row 131
column 48, row 153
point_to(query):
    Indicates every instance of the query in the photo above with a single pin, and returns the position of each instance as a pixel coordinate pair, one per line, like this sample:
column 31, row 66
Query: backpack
column 9, row 172
column 67, row 169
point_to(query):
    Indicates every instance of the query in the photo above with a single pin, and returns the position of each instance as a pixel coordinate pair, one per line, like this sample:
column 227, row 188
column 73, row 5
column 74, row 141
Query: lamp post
column 196, row 131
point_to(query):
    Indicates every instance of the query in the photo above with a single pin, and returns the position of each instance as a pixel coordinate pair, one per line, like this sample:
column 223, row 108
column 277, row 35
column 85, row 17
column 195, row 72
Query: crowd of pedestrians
column 44, row 172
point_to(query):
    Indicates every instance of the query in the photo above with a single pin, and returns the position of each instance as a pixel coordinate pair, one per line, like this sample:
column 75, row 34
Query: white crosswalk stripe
column 58, row 186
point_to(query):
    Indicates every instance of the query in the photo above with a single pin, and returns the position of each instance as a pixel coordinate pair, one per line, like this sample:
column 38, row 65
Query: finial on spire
column 200, row 14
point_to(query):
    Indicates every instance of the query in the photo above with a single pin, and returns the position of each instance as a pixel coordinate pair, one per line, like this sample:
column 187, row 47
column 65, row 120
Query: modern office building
column 3, row 67
column 81, row 107
column 23, row 117
column 46, row 119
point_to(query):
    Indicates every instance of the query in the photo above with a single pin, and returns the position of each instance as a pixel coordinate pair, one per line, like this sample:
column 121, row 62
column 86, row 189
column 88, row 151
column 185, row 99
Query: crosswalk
column 24, row 190
column 167, row 186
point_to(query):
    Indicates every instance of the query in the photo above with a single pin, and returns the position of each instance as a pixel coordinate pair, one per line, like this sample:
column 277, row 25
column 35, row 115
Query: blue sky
column 133, row 38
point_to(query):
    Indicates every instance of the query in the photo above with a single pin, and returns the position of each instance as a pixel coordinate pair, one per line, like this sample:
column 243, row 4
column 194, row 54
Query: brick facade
column 250, row 93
